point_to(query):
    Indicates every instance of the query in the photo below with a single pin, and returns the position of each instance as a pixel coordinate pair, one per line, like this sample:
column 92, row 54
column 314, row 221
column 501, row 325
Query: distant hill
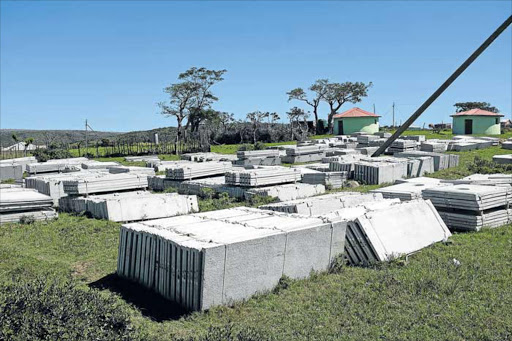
column 52, row 136
column 72, row 136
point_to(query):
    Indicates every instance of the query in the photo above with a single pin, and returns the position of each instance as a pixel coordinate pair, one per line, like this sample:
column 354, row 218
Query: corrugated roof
column 477, row 112
column 355, row 112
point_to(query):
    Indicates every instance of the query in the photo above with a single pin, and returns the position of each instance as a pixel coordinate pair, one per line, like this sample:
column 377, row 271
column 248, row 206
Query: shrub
column 483, row 166
column 229, row 333
column 40, row 310
column 43, row 155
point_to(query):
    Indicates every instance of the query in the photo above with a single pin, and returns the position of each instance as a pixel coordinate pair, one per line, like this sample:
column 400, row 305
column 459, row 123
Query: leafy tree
column 337, row 94
column 298, row 123
column 319, row 88
column 465, row 106
column 28, row 141
column 256, row 118
column 191, row 96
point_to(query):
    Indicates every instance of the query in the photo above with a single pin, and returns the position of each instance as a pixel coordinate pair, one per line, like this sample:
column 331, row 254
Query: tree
column 465, row 106
column 28, row 141
column 191, row 96
column 256, row 118
column 319, row 88
column 337, row 94
column 298, row 123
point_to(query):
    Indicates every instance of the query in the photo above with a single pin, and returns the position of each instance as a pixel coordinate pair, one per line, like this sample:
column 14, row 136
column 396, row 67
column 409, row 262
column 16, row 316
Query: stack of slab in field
column 441, row 161
column 434, row 145
column 221, row 257
column 388, row 232
column 217, row 184
column 54, row 166
column 264, row 176
column 190, row 171
column 161, row 183
column 328, row 179
column 471, row 207
column 308, row 153
column 323, row 204
column 407, row 191
column 105, row 183
column 506, row 144
column 17, row 204
column 402, row 145
column 132, row 169
column 376, row 171
column 344, row 163
column 163, row 166
column 11, row 171
column 502, row 159
column 268, row 157
column 92, row 164
column 142, row 158
column 285, row 192
column 131, row 206
column 204, row 157
column 23, row 161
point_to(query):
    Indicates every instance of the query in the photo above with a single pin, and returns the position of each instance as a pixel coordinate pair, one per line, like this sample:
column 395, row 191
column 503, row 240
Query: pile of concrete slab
column 402, row 145
column 407, row 191
column 328, row 179
column 53, row 166
column 502, row 159
column 441, row 161
column 376, row 172
column 471, row 207
column 221, row 257
column 161, row 183
column 163, row 166
column 436, row 146
column 17, row 204
column 216, row 184
column 309, row 153
column 14, row 168
column 286, row 192
column 390, row 231
column 506, row 144
column 92, row 164
column 190, row 171
column 263, row 176
column 268, row 157
column 104, row 183
column 131, row 206
column 132, row 169
column 203, row 157
column 323, row 204
column 141, row 158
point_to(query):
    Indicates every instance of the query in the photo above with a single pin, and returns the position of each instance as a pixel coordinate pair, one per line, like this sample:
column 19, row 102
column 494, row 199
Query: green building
column 476, row 121
column 355, row 120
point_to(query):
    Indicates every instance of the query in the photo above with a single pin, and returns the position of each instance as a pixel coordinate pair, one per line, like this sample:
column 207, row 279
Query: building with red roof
column 476, row 121
column 354, row 120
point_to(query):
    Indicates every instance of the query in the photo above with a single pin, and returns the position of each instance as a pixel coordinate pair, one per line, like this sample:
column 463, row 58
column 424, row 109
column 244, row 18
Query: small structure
column 476, row 121
column 22, row 146
column 355, row 120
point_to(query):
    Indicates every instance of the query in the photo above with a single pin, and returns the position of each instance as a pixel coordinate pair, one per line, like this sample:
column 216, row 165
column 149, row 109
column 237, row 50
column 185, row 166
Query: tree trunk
column 315, row 121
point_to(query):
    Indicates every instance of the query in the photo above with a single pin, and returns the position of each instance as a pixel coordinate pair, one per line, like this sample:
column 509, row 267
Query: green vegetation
column 426, row 296
column 8, row 181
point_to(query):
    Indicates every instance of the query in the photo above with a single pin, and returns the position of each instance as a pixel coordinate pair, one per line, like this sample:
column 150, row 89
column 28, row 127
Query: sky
column 62, row 62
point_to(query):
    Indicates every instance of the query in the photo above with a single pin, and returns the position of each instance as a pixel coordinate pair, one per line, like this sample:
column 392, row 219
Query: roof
column 477, row 112
column 355, row 112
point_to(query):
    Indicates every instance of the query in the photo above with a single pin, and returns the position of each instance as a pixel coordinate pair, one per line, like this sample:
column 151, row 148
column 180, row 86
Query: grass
column 424, row 297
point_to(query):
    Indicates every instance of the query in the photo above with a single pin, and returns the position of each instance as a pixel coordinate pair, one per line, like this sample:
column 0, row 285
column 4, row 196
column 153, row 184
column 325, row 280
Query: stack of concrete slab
column 417, row 138
column 323, row 204
column 132, row 169
column 366, row 139
column 23, row 161
column 268, row 157
column 382, row 134
column 436, row 146
column 104, row 183
column 161, row 183
column 263, row 176
column 92, row 164
column 18, row 203
column 198, row 170
column 11, row 171
column 408, row 190
column 310, row 153
column 378, row 235
column 400, row 145
column 328, row 179
column 379, row 172
column 204, row 157
column 367, row 150
column 163, row 166
column 502, row 159
column 10, row 185
column 52, row 166
column 344, row 163
column 217, row 184
column 221, row 257
column 286, row 192
column 470, row 207
column 441, row 161
column 131, row 206
column 141, row 158
column 506, row 144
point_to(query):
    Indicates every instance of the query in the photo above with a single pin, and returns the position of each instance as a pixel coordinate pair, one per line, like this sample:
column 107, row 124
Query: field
column 459, row 290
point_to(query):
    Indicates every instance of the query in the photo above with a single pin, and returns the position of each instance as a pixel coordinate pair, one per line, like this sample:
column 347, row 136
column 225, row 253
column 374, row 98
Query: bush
column 39, row 310
column 43, row 155
column 228, row 333
column 483, row 166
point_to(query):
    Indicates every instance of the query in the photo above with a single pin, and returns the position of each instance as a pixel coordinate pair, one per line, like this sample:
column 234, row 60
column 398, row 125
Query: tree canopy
column 465, row 106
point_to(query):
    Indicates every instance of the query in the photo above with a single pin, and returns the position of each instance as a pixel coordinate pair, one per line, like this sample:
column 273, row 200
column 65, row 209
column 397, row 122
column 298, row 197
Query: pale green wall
column 481, row 125
column 354, row 124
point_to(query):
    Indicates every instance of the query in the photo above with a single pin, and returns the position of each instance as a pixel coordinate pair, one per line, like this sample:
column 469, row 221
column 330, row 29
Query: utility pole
column 393, row 114
column 445, row 85
column 86, row 125
column 374, row 108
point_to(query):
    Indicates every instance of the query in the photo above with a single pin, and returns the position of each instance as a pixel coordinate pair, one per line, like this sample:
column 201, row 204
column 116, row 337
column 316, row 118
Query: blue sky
column 64, row 61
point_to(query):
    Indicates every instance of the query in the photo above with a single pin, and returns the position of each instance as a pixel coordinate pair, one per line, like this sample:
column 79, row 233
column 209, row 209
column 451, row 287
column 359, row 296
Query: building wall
column 481, row 125
column 354, row 124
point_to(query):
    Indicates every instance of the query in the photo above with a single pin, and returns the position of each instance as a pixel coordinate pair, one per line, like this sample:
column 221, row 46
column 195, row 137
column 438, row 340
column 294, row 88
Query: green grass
column 424, row 297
